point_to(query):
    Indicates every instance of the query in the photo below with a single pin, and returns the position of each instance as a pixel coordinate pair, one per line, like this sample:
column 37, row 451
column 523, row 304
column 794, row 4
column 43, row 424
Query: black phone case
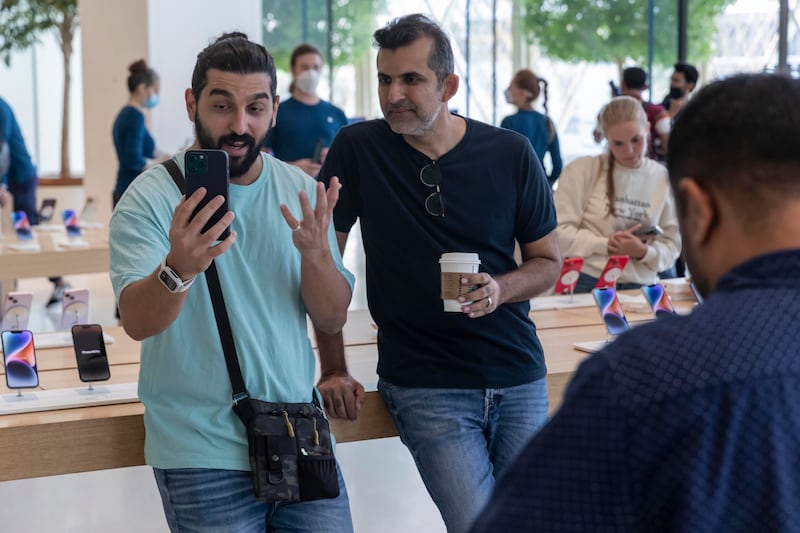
column 214, row 176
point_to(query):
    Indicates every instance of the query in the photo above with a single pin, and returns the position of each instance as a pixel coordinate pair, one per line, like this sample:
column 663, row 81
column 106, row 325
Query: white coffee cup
column 453, row 265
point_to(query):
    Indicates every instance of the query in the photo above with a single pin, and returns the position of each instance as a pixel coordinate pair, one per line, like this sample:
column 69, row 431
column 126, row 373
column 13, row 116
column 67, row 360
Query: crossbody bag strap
column 240, row 395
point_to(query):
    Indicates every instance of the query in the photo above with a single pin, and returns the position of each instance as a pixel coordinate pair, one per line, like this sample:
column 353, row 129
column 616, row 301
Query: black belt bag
column 291, row 454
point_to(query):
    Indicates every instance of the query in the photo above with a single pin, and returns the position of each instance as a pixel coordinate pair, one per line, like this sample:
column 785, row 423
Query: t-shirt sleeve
column 340, row 162
column 572, row 476
column 536, row 212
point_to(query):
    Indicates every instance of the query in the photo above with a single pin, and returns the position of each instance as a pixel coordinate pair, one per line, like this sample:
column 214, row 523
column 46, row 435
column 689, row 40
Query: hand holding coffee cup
column 464, row 289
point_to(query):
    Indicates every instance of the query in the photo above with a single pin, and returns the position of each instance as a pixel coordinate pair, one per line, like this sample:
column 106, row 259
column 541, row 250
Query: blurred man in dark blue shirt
column 692, row 423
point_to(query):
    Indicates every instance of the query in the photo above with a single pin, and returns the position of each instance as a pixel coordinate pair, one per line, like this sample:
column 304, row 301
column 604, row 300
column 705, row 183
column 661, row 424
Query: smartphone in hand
column 646, row 231
column 658, row 299
column 612, row 271
column 90, row 352
column 19, row 357
column 570, row 272
column 17, row 310
column 209, row 169
column 611, row 310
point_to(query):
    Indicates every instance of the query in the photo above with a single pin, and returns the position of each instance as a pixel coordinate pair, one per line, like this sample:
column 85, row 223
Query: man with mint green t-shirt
column 279, row 263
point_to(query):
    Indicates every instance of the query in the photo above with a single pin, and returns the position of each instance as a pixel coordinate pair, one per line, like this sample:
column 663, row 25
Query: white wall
column 178, row 30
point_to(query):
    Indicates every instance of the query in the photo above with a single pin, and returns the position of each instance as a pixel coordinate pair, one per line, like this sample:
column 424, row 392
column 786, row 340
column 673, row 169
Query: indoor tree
column 22, row 22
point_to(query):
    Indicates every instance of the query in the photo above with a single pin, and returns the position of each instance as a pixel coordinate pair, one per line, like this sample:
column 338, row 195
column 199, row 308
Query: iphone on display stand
column 46, row 210
column 611, row 311
column 568, row 279
column 19, row 358
column 71, row 224
column 658, row 299
column 90, row 353
column 22, row 227
column 17, row 310
column 612, row 271
column 209, row 169
column 75, row 308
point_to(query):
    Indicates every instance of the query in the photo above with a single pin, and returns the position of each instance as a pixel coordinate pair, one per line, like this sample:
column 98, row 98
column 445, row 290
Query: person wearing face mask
column 603, row 201
column 681, row 83
column 306, row 124
column 135, row 147
column 537, row 127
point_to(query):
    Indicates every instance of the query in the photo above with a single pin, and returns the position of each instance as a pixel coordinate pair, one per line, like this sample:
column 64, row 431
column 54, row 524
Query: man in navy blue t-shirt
column 466, row 389
column 692, row 423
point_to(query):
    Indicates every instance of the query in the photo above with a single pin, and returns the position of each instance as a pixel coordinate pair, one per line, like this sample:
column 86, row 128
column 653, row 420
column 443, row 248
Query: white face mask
column 507, row 94
column 307, row 81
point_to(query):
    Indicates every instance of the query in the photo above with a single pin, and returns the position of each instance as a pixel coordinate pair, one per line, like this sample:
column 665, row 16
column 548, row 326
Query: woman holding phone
column 618, row 203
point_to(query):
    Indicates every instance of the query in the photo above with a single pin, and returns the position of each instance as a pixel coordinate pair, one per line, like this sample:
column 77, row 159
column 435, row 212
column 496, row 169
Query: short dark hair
column 688, row 71
column 740, row 136
column 233, row 52
column 140, row 73
column 634, row 78
column 302, row 50
column 405, row 30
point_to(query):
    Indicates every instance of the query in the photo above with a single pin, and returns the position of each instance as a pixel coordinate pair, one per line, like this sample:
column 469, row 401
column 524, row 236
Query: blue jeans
column 463, row 439
column 220, row 501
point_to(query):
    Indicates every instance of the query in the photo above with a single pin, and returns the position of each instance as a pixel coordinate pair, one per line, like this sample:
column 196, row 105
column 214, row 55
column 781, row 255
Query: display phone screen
column 47, row 209
column 209, row 169
column 19, row 357
column 316, row 157
column 570, row 272
column 89, row 210
column 612, row 271
column 75, row 308
column 16, row 310
column 22, row 227
column 90, row 352
column 611, row 310
column 71, row 223
column 658, row 299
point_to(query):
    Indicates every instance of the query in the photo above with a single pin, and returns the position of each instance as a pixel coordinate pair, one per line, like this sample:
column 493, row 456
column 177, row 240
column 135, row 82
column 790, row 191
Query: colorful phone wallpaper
column 570, row 272
column 611, row 310
column 20, row 360
column 21, row 225
column 658, row 299
column 71, row 223
column 612, row 271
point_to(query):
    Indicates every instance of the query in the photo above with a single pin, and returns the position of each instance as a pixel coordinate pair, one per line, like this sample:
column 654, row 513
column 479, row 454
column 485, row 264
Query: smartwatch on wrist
column 171, row 281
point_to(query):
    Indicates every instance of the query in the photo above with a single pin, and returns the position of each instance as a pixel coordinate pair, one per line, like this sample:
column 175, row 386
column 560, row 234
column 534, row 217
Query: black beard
column 238, row 165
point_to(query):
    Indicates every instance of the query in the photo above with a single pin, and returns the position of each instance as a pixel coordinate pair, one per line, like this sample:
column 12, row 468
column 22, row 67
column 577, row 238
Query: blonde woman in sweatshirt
column 604, row 202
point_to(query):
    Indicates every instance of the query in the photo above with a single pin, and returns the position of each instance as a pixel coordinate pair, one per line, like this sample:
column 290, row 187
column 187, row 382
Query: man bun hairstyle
column 233, row 52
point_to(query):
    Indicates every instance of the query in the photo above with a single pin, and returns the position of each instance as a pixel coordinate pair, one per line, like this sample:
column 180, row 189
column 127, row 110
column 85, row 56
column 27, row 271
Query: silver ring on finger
column 488, row 302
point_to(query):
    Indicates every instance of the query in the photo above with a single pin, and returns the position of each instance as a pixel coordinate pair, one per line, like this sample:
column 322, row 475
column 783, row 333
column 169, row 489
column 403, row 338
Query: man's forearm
column 326, row 293
column 533, row 277
column 331, row 353
column 148, row 308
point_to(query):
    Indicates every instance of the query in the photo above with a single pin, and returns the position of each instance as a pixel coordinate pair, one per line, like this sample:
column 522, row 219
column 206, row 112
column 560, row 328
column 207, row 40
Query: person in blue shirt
column 306, row 124
column 135, row 147
column 21, row 182
column 522, row 92
column 692, row 423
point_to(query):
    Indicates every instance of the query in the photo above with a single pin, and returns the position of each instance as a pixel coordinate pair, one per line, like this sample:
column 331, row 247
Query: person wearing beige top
column 604, row 202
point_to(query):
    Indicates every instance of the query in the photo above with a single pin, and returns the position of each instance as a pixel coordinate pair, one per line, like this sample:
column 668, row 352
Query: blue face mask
column 152, row 101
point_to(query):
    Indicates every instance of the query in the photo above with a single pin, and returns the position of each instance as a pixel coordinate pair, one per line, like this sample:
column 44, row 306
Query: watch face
column 167, row 280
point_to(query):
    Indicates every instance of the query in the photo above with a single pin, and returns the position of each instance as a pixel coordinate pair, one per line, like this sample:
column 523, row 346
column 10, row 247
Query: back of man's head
column 740, row 137
column 689, row 72
column 404, row 31
column 233, row 52
column 634, row 78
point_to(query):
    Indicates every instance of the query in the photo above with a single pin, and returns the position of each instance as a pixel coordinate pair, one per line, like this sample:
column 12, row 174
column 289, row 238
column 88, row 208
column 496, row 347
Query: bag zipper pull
column 316, row 434
column 289, row 427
